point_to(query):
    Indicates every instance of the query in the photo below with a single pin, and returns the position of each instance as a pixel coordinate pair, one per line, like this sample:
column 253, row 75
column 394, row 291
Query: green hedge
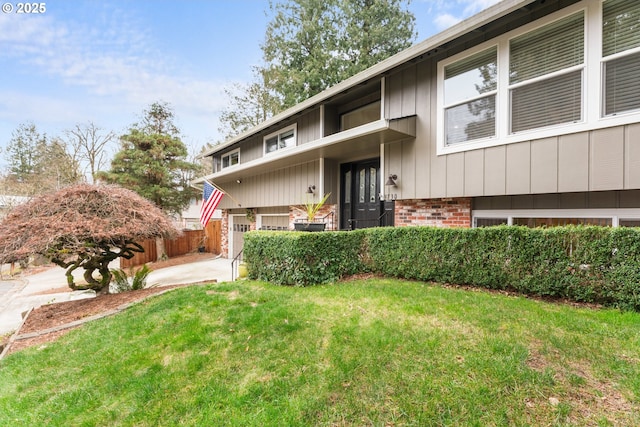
column 587, row 264
column 302, row 258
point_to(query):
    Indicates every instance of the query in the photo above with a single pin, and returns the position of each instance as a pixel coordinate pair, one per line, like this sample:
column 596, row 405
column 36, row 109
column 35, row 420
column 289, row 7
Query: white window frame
column 615, row 214
column 278, row 134
column 603, row 61
column 592, row 85
column 229, row 154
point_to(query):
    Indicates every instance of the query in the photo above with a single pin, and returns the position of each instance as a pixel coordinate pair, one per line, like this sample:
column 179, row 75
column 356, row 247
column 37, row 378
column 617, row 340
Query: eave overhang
column 432, row 44
column 362, row 140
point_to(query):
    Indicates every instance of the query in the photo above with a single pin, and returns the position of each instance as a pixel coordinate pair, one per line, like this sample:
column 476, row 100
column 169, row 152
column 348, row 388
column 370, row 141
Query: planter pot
column 309, row 226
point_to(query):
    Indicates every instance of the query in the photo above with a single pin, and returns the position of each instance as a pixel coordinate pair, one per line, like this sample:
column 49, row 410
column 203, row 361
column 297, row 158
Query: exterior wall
column 445, row 212
column 598, row 160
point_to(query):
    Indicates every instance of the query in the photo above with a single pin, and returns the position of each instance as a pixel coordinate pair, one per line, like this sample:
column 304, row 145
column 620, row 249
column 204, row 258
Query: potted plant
column 311, row 209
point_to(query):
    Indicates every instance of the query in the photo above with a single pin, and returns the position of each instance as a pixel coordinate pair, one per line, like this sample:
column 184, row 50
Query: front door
column 361, row 206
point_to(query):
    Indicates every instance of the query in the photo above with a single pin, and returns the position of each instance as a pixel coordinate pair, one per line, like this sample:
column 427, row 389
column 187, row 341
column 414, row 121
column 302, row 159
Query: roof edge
column 478, row 20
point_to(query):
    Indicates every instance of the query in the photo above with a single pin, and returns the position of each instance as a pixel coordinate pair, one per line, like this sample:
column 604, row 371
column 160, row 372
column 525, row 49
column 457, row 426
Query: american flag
column 211, row 196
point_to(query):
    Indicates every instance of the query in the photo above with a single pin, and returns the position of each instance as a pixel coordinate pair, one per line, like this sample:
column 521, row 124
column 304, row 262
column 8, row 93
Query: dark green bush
column 302, row 258
column 588, row 264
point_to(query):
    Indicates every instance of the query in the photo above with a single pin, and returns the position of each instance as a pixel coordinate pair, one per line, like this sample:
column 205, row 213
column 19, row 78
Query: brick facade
column 446, row 212
column 224, row 234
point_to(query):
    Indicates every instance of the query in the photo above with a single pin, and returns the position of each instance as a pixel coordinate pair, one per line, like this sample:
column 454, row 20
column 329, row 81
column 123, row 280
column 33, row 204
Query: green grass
column 372, row 352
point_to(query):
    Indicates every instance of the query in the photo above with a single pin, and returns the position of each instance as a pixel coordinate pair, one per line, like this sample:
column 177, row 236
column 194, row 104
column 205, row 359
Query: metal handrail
column 377, row 221
column 235, row 263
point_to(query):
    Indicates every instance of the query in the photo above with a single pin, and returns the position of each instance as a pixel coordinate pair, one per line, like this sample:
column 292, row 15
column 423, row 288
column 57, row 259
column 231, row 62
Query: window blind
column 551, row 48
column 470, row 121
column 620, row 26
column 472, row 63
column 621, row 88
column 548, row 102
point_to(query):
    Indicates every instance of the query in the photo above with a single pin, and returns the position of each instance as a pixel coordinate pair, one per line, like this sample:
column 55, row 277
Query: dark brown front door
column 361, row 206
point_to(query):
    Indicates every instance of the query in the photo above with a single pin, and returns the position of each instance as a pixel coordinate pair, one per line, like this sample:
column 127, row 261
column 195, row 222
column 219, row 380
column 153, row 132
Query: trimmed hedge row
column 302, row 258
column 586, row 264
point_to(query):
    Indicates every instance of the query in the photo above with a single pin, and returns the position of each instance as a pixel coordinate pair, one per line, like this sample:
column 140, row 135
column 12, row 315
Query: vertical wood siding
column 282, row 187
column 599, row 160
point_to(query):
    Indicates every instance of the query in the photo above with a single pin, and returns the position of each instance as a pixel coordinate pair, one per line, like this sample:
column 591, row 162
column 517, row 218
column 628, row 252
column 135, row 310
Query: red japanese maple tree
column 84, row 226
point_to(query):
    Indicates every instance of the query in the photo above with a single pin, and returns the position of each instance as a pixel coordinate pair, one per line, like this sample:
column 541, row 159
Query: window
column 606, row 217
column 621, row 55
column 230, row 159
column 545, row 74
column 573, row 70
column 470, row 97
column 282, row 139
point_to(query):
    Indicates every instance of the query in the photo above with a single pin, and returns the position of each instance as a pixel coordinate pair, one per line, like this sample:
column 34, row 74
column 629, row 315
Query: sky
column 105, row 62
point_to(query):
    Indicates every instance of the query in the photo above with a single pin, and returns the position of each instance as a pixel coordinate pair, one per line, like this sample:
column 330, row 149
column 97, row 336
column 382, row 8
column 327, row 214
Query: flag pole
column 223, row 190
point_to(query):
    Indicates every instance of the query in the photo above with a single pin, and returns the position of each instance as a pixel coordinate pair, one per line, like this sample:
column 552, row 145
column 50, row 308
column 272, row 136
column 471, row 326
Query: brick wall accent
column 446, row 212
column 295, row 214
column 224, row 234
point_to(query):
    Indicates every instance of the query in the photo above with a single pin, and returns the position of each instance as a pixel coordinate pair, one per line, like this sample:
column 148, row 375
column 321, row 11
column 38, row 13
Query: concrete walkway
column 23, row 293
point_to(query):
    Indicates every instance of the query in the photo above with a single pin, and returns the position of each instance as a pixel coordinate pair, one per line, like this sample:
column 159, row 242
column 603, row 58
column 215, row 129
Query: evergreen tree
column 311, row 45
column 153, row 161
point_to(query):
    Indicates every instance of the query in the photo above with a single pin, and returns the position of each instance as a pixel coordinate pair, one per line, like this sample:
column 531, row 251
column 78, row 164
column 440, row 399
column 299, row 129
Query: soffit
column 362, row 141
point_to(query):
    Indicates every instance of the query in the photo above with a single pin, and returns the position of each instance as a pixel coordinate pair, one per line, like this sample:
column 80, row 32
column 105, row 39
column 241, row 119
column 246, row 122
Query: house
column 527, row 113
column 189, row 218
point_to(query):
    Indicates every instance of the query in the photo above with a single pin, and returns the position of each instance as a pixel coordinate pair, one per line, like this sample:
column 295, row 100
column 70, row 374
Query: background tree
column 37, row 164
column 311, row 45
column 89, row 143
column 247, row 106
column 84, row 226
column 152, row 161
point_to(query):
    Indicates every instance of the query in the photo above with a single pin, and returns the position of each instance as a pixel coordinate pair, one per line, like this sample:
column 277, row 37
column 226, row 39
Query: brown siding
column 282, row 187
column 599, row 160
column 607, row 159
column 309, row 127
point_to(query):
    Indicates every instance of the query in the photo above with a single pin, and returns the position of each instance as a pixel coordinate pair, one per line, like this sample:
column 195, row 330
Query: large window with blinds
column 545, row 75
column 577, row 69
column 621, row 55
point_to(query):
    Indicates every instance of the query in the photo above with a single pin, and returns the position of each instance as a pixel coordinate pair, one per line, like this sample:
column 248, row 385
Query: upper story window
column 284, row 138
column 470, row 87
column 621, row 55
column 545, row 75
column 231, row 158
column 574, row 70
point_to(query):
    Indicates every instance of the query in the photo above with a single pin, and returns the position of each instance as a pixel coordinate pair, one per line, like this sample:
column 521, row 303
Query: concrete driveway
column 23, row 293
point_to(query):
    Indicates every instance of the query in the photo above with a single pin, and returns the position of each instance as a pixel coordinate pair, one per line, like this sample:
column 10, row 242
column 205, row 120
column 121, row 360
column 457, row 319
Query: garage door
column 240, row 226
column 275, row 222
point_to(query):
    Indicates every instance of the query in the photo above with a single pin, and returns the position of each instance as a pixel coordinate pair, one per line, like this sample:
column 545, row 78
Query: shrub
column 588, row 264
column 302, row 258
column 122, row 282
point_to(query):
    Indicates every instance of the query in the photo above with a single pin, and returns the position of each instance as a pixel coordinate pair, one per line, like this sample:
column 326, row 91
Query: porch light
column 311, row 189
column 392, row 180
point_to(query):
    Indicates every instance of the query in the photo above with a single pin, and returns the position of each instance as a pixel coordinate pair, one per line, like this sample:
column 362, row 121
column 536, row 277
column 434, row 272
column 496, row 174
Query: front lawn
column 369, row 352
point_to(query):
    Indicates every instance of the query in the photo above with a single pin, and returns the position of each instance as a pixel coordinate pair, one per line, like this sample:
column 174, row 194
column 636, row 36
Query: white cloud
column 445, row 21
column 449, row 12
column 118, row 66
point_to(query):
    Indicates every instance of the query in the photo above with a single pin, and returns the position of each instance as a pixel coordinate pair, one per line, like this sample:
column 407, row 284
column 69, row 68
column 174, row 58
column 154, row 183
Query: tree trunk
column 161, row 252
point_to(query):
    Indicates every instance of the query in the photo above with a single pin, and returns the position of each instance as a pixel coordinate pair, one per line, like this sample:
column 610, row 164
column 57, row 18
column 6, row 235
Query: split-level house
column 527, row 113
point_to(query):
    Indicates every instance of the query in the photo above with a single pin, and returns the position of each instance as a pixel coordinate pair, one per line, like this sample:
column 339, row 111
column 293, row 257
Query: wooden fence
column 190, row 241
